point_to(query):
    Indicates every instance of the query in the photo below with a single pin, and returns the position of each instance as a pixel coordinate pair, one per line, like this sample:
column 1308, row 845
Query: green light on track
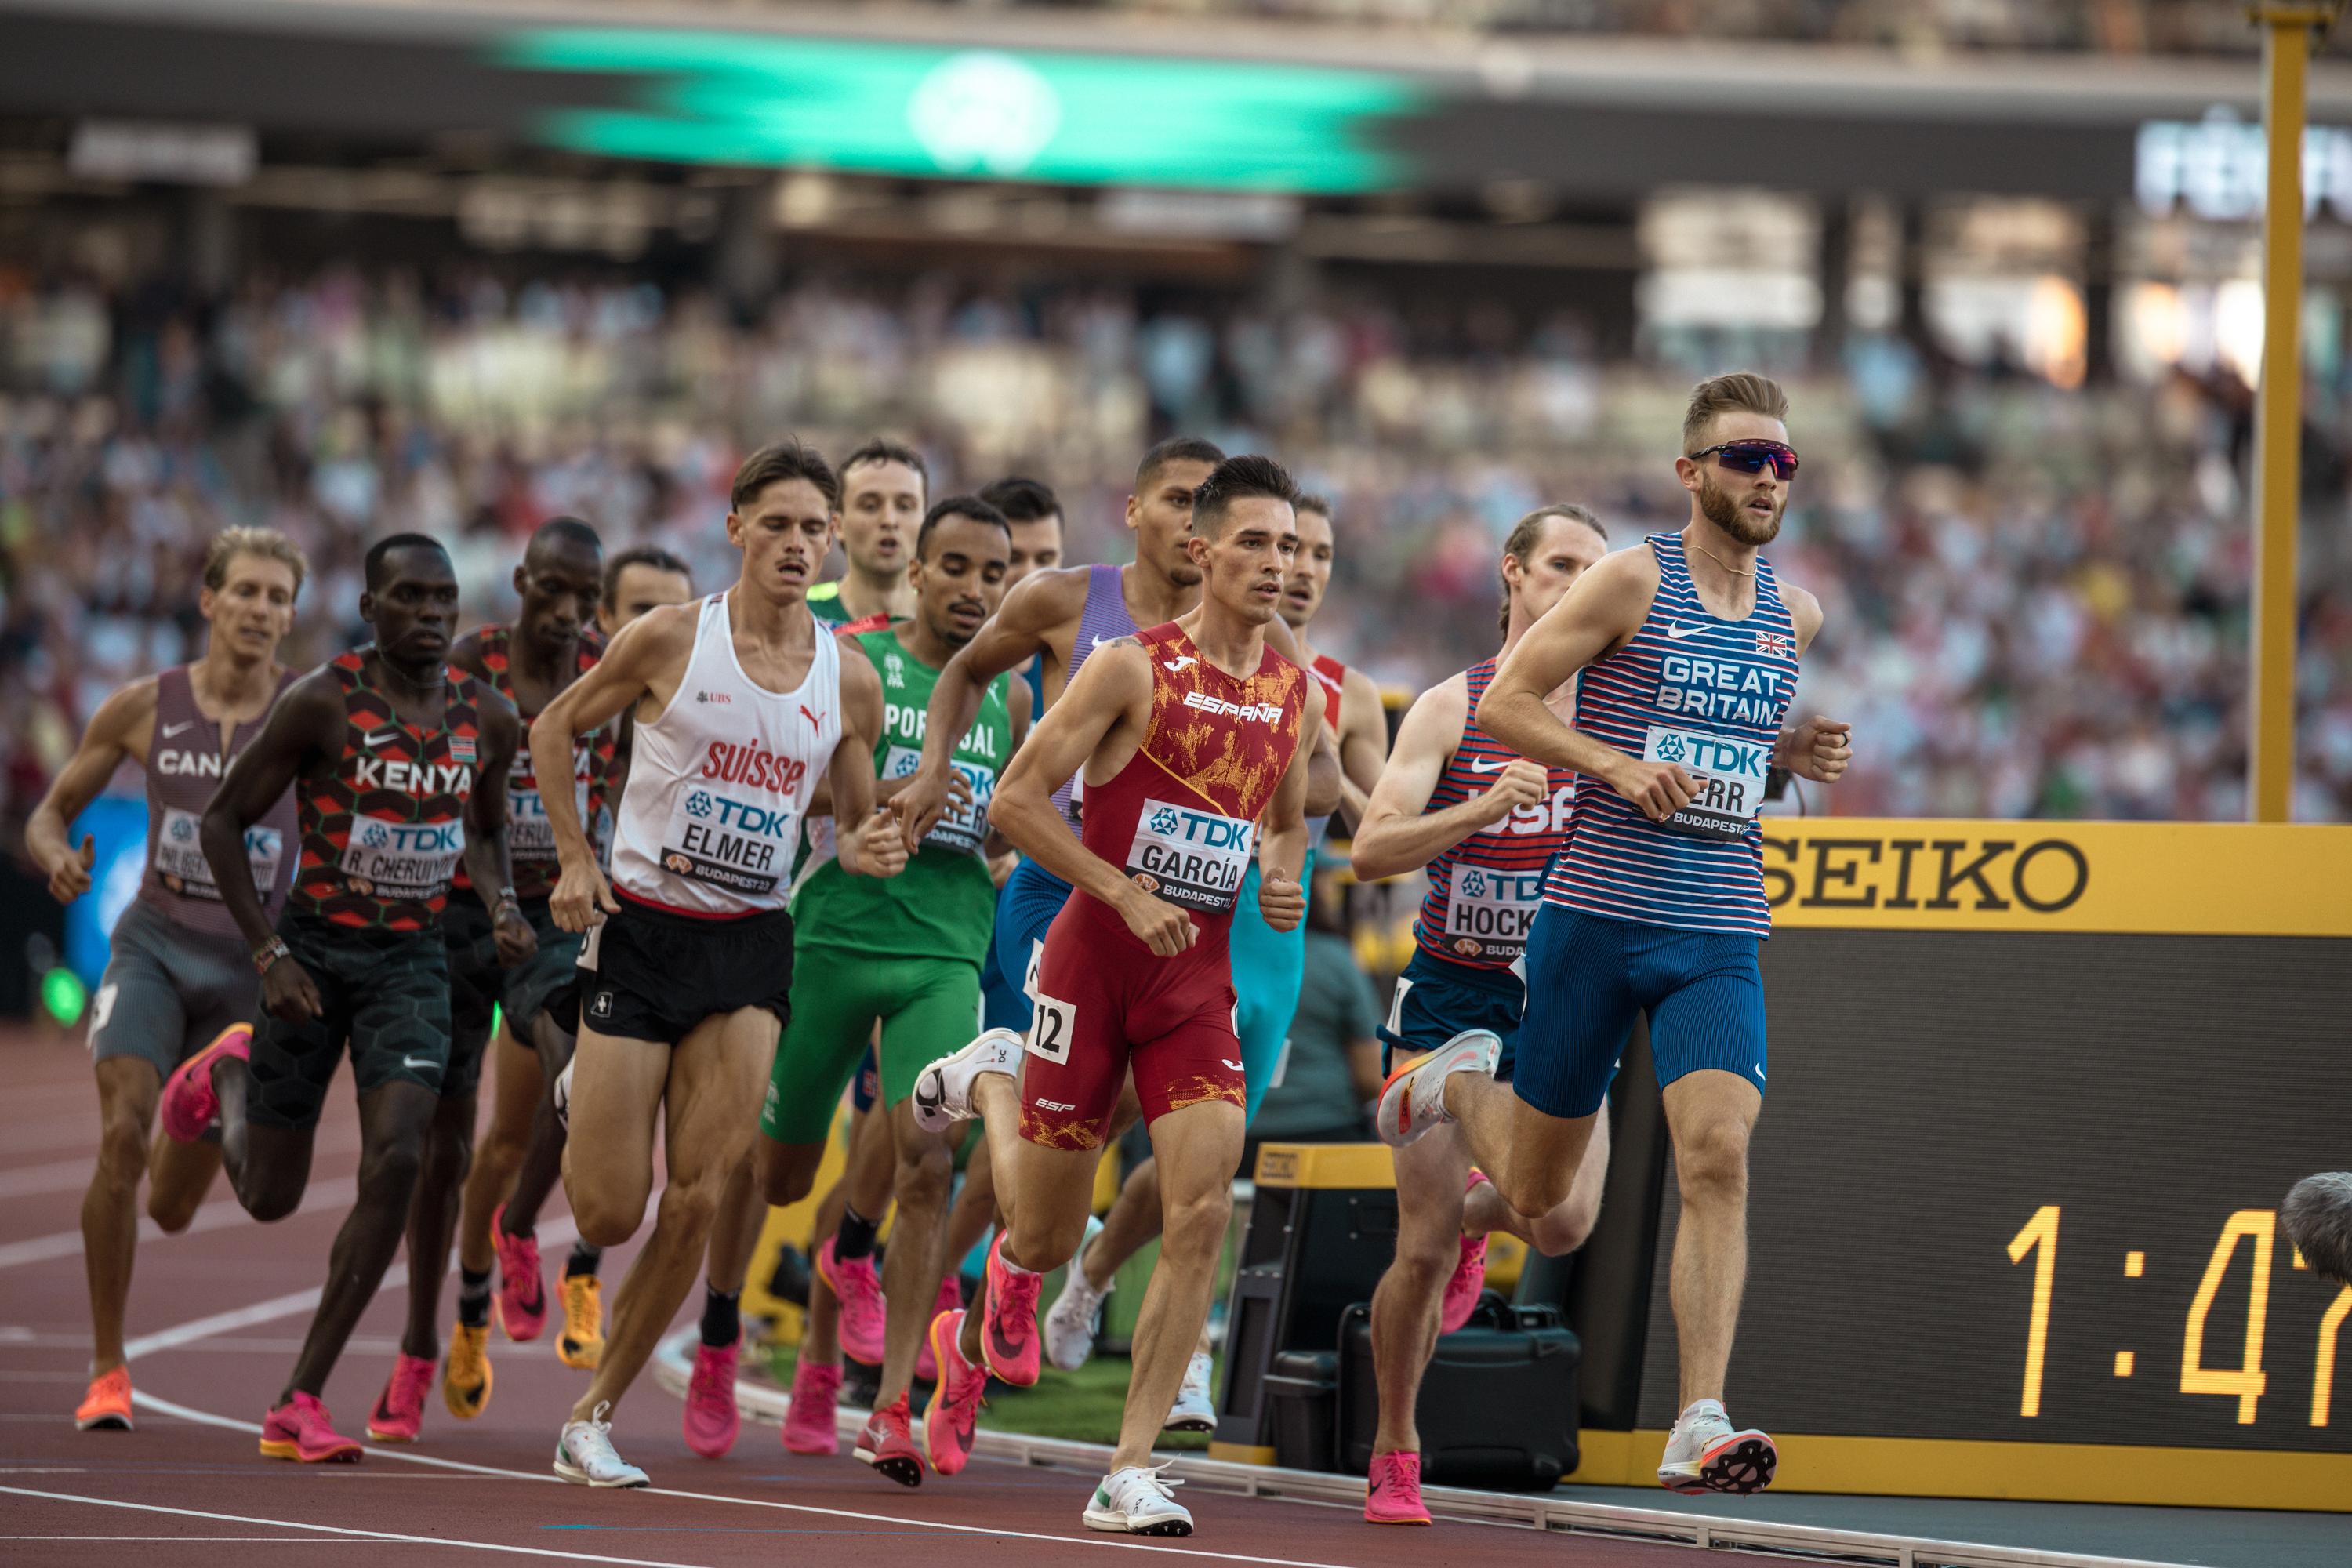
column 64, row 996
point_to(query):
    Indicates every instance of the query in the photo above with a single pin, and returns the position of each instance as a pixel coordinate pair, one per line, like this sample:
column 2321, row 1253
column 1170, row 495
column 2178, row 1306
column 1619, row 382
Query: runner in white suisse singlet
column 719, row 784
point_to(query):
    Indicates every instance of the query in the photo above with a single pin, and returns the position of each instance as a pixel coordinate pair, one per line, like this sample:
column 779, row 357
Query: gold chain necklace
column 1719, row 561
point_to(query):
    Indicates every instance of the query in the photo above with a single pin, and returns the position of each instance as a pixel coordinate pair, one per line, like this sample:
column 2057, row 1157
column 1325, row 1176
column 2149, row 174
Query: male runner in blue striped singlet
column 1684, row 653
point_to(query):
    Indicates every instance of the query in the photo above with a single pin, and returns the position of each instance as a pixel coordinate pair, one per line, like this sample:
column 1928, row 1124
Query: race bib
column 1050, row 1030
column 962, row 828
column 180, row 857
column 1193, row 858
column 1733, row 771
column 742, row 846
column 1488, row 913
column 529, row 835
column 402, row 859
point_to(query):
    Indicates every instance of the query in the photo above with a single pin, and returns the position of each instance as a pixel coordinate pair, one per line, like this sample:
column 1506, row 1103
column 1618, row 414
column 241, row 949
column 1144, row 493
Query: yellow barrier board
column 2191, row 878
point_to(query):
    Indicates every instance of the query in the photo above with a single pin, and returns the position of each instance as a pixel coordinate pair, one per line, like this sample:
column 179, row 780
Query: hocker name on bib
column 1488, row 912
column 1193, row 858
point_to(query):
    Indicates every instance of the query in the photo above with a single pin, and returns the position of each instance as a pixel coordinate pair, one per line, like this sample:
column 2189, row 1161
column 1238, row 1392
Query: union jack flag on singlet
column 1710, row 695
column 1483, row 892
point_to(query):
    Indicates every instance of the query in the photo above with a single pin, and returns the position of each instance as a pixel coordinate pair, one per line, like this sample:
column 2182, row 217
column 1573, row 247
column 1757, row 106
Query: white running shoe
column 584, row 1457
column 1195, row 1410
column 1706, row 1454
column 1137, row 1501
column 1071, row 1322
column 1413, row 1100
column 943, row 1089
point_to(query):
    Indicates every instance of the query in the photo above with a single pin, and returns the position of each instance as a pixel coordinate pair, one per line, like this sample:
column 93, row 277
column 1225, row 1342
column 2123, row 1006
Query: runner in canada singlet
column 383, row 835
column 184, row 764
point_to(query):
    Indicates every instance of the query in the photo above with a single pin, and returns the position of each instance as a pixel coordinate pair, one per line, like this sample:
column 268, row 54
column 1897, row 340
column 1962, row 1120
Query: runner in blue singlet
column 1684, row 654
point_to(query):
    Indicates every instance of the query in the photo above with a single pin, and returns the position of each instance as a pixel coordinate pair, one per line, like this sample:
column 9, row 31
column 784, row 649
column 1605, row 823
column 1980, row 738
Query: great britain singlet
column 717, row 785
column 185, row 764
column 382, row 834
column 1710, row 695
column 1483, row 892
column 1180, row 818
column 530, row 838
column 1103, row 618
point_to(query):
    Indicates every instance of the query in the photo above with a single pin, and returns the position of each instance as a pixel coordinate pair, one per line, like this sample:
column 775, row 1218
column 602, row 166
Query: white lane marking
column 208, row 1540
column 73, row 1175
column 323, row 1197
column 339, row 1529
column 900, row 1521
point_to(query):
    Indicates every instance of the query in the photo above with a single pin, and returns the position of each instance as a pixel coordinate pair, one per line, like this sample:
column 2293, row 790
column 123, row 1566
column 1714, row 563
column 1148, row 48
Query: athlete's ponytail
column 1526, row 535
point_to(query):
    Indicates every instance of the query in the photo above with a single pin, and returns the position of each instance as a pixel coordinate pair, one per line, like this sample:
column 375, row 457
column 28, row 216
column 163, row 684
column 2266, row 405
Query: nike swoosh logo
column 413, row 1062
column 1679, row 631
column 379, row 737
column 172, row 730
column 1478, row 767
column 1100, row 639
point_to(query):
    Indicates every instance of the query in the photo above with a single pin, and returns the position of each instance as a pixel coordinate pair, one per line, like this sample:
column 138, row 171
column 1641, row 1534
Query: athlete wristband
column 270, row 952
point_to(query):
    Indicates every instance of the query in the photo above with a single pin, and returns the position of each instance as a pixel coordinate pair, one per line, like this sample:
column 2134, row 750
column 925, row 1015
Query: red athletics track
column 224, row 1307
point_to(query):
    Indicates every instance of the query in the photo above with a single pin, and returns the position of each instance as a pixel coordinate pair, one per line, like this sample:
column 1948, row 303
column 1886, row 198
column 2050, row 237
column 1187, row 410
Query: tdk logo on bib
column 413, row 837
column 402, row 859
column 1193, row 858
column 739, row 815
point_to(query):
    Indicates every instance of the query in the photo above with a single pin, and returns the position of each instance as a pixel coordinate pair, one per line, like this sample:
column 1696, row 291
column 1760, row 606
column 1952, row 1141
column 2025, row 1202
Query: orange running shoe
column 106, row 1406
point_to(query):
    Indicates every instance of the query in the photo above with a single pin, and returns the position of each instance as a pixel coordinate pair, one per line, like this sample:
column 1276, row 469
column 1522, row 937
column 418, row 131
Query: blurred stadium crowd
column 2037, row 598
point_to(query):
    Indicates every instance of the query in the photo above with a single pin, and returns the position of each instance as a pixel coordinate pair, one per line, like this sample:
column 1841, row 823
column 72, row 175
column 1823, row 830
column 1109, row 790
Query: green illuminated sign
column 63, row 995
column 918, row 110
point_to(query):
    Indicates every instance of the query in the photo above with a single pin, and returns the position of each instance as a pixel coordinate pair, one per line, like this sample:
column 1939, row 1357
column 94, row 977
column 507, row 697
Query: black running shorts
column 386, row 996
column 651, row 975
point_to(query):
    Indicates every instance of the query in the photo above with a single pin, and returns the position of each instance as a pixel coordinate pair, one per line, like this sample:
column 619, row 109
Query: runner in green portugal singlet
column 905, row 951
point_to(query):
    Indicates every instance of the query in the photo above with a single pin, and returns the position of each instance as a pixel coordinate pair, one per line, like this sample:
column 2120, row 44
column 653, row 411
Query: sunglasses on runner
column 1750, row 458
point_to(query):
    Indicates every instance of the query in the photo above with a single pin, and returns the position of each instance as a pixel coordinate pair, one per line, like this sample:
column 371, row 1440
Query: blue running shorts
column 1437, row 998
column 1025, row 908
column 1588, row 977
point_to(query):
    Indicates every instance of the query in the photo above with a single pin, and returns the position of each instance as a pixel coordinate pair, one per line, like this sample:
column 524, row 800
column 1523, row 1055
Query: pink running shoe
column 1008, row 1326
column 950, row 1418
column 927, row 1365
column 1392, row 1496
column 809, row 1426
column 189, row 1104
column 864, row 1316
column 1469, row 1277
column 399, row 1412
column 302, row 1429
column 522, row 1295
column 711, row 1419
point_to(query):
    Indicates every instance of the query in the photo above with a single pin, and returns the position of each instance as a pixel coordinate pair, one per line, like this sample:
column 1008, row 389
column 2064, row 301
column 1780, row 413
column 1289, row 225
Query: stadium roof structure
column 1103, row 98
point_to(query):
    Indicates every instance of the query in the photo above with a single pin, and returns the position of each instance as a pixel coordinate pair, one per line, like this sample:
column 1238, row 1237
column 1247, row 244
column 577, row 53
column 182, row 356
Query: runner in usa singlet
column 1483, row 892
column 381, row 837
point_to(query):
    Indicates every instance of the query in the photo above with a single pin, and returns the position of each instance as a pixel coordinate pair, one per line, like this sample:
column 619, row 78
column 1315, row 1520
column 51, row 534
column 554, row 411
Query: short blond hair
column 267, row 543
column 1742, row 391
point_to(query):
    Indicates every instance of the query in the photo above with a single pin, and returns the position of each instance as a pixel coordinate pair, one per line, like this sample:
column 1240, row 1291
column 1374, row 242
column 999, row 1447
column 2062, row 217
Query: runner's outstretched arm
column 1395, row 838
column 303, row 729
column 647, row 659
column 120, row 728
column 1112, row 692
column 1020, row 629
column 1607, row 606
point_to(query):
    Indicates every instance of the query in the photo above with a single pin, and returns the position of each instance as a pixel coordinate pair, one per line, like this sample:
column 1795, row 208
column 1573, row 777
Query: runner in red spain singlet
column 1194, row 737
